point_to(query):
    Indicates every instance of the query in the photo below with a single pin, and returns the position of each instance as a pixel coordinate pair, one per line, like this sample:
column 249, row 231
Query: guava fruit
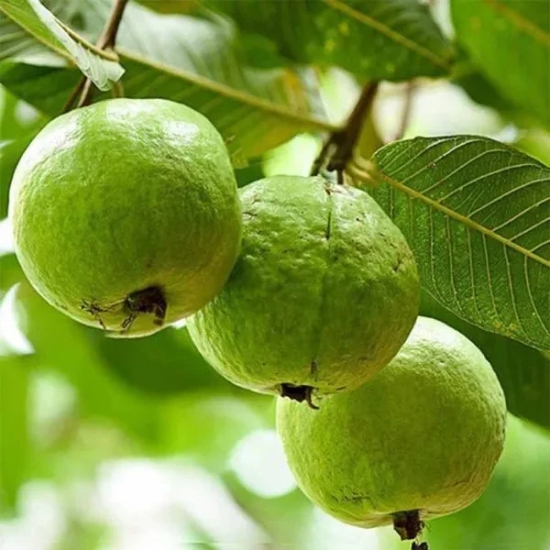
column 126, row 214
column 418, row 441
column 323, row 295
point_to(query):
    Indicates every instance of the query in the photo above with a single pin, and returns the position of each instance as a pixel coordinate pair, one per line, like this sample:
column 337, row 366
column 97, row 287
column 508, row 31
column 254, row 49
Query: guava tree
column 474, row 210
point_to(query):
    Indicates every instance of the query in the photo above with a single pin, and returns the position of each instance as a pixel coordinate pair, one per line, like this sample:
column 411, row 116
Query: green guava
column 126, row 214
column 323, row 295
column 418, row 441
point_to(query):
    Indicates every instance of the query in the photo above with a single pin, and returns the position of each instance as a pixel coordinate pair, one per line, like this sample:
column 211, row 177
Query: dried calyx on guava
column 323, row 295
column 126, row 214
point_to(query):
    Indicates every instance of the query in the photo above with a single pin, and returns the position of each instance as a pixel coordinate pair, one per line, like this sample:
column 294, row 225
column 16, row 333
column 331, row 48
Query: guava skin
column 323, row 295
column 424, row 434
column 121, row 198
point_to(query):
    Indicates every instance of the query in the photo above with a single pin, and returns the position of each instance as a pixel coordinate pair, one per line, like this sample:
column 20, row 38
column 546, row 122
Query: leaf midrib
column 520, row 21
column 371, row 172
column 230, row 93
column 59, row 48
column 389, row 32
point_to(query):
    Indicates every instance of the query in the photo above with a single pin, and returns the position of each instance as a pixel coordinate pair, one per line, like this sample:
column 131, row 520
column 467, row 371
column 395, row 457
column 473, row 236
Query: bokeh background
column 139, row 445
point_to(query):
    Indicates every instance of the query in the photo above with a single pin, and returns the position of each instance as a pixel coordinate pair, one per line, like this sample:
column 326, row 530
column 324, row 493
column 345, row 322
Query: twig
column 407, row 110
column 107, row 40
column 337, row 151
column 74, row 94
column 86, row 95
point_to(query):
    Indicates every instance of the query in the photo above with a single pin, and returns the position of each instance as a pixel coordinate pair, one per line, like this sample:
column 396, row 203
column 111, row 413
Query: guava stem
column 299, row 394
column 408, row 525
column 338, row 149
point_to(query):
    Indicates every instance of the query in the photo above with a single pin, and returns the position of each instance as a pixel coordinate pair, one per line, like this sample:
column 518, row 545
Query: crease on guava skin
column 315, row 366
column 309, row 391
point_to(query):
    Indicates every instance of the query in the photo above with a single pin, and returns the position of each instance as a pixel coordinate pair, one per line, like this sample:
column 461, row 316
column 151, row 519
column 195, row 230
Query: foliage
column 474, row 210
column 482, row 254
column 525, row 25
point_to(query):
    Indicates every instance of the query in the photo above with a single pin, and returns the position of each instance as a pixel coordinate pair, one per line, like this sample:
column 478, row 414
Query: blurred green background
column 138, row 445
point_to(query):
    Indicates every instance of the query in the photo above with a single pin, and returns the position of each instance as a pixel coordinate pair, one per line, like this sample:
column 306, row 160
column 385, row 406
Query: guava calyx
column 147, row 300
column 408, row 525
column 299, row 394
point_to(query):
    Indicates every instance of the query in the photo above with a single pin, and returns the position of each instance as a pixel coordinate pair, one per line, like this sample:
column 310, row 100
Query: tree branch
column 106, row 41
column 338, row 149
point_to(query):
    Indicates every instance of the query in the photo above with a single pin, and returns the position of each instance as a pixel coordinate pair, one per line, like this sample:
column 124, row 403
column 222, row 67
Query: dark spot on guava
column 147, row 300
column 298, row 393
column 419, row 546
column 398, row 264
column 408, row 525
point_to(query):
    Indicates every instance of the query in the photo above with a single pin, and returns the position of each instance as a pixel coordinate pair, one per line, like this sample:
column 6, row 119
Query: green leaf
column 481, row 90
column 10, row 153
column 228, row 418
column 164, row 364
column 193, row 60
column 64, row 347
column 475, row 213
column 510, row 41
column 535, row 142
column 171, row 6
column 381, row 40
column 14, row 429
column 513, row 512
column 524, row 372
column 17, row 119
column 31, row 33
